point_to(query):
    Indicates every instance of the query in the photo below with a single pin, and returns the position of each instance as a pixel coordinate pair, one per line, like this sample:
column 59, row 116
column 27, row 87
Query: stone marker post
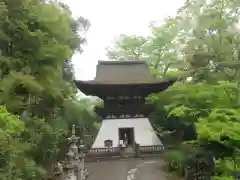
column 82, row 149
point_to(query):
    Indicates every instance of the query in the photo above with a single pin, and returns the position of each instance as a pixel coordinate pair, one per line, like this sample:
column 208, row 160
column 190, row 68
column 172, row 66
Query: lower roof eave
column 99, row 89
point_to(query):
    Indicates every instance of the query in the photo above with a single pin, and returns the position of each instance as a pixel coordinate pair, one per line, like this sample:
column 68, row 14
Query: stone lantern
column 73, row 167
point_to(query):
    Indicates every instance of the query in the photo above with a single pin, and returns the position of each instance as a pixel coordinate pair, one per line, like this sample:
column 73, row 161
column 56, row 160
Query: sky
column 109, row 19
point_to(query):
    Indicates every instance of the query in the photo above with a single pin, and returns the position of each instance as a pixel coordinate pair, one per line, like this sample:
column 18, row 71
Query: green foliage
column 38, row 39
column 10, row 123
column 223, row 178
column 175, row 157
column 213, row 109
column 14, row 162
column 219, row 123
column 154, row 49
column 127, row 48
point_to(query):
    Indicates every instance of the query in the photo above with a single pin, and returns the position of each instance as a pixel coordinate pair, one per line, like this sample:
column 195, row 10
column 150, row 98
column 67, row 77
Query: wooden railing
column 112, row 151
column 151, row 149
column 116, row 151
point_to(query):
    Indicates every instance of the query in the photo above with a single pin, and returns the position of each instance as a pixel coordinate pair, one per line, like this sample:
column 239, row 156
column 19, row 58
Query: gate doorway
column 127, row 133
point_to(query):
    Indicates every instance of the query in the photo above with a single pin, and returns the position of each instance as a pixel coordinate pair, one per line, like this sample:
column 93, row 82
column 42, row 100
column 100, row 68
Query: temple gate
column 125, row 129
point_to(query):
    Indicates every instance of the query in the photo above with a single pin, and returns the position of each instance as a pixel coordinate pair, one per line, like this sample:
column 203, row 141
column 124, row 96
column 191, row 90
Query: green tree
column 159, row 49
column 38, row 39
column 211, row 38
column 127, row 48
column 14, row 162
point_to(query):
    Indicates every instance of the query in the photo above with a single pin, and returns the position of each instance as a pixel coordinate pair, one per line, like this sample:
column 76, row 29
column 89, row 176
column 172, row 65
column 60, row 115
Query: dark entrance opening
column 126, row 132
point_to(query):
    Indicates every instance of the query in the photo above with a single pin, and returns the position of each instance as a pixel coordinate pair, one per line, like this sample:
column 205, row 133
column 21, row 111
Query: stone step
column 129, row 150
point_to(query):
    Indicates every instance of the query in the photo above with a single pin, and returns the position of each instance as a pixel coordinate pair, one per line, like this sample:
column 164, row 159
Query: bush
column 14, row 162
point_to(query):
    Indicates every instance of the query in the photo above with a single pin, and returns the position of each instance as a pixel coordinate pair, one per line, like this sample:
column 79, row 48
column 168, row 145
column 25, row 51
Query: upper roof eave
column 98, row 83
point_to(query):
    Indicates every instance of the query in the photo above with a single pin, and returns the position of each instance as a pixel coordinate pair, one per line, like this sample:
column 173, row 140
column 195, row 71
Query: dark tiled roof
column 123, row 72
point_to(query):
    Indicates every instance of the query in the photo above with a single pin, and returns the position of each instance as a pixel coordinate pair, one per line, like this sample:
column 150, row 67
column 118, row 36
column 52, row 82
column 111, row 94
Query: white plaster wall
column 144, row 134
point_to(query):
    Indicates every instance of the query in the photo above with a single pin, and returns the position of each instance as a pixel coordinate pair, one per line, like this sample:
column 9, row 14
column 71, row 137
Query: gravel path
column 127, row 169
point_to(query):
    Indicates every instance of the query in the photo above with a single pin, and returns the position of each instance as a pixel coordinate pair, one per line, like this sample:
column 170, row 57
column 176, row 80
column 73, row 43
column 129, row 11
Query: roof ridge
column 122, row 62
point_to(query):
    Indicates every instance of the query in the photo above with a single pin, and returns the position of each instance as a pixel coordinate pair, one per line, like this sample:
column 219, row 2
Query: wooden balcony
column 116, row 113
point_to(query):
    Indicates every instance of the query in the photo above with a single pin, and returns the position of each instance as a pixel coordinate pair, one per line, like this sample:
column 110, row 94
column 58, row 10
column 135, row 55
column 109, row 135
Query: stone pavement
column 150, row 170
column 126, row 169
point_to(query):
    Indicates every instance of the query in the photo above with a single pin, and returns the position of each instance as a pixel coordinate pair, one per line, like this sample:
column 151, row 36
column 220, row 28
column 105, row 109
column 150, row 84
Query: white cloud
column 109, row 18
